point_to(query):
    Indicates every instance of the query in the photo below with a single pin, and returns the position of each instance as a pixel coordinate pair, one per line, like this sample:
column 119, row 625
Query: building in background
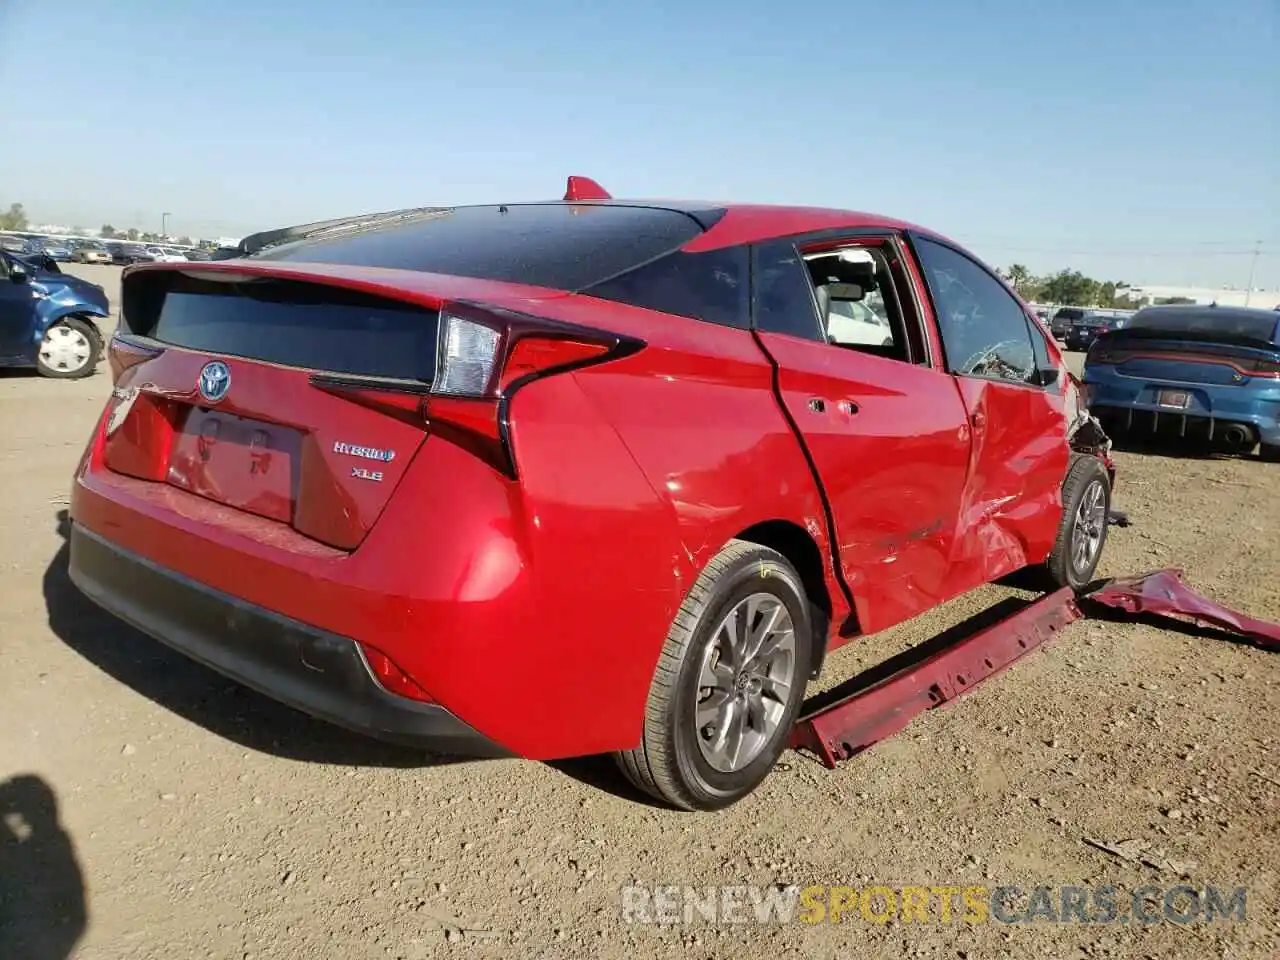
column 1266, row 299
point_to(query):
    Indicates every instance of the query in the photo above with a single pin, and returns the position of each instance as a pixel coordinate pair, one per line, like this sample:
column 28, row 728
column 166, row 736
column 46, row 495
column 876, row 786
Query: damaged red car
column 576, row 477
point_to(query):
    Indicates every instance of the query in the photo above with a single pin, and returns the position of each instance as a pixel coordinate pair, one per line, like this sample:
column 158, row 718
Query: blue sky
column 1136, row 141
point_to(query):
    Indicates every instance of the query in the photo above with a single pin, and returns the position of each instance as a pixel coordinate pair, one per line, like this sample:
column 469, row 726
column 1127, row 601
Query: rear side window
column 563, row 246
column 709, row 286
column 295, row 324
column 784, row 293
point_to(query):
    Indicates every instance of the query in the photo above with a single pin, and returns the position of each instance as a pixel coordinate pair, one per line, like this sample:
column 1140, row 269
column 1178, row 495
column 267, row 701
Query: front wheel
column 728, row 684
column 1082, row 532
column 69, row 350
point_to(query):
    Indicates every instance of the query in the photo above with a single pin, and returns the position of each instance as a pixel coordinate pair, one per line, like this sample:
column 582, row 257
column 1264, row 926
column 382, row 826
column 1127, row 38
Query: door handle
column 848, row 407
column 978, row 419
column 817, row 404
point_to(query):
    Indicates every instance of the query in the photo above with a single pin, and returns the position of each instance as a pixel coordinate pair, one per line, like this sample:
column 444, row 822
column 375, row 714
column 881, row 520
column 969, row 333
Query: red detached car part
column 1164, row 593
column 873, row 706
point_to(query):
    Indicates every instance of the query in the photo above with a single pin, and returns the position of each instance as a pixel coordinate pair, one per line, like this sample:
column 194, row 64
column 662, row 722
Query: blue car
column 1191, row 371
column 48, row 319
column 56, row 250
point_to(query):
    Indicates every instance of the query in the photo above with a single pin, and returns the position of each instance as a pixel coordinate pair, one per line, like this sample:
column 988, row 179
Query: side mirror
column 18, row 272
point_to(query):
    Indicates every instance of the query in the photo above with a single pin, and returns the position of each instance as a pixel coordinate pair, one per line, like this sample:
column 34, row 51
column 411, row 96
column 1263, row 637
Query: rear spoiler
column 270, row 238
column 1226, row 338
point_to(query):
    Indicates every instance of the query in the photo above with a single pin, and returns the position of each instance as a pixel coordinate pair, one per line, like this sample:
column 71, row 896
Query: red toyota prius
column 580, row 476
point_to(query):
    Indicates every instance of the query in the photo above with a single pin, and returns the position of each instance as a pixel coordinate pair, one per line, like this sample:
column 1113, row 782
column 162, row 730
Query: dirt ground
column 155, row 810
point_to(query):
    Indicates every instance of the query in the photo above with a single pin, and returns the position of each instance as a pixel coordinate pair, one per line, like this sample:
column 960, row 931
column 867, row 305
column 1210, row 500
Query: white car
column 167, row 254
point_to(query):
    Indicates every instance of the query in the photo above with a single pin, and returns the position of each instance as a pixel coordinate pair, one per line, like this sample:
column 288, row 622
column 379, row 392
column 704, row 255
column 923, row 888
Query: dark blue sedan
column 49, row 320
column 1210, row 372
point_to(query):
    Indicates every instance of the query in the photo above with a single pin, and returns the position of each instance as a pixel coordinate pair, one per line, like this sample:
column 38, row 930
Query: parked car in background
column 1062, row 319
column 381, row 506
column 91, row 251
column 1211, row 373
column 166, row 254
column 56, row 249
column 48, row 319
column 1082, row 332
column 196, row 253
column 124, row 253
column 12, row 243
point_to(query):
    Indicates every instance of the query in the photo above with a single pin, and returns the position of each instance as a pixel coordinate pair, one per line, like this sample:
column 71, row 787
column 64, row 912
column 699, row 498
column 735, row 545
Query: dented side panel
column 1012, row 503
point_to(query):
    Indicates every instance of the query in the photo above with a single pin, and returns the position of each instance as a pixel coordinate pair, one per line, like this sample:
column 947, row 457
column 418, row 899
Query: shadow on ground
column 42, row 898
column 1182, row 448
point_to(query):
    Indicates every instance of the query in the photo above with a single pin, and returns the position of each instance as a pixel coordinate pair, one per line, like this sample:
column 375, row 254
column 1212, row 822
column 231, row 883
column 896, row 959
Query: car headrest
column 845, row 291
column 824, row 301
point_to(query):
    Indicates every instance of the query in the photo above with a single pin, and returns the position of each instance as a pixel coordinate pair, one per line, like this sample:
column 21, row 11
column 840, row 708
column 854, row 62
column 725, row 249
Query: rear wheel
column 1082, row 533
column 70, row 349
column 728, row 684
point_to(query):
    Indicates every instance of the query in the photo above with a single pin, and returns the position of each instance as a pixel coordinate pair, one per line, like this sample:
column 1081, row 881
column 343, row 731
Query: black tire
column 1270, row 452
column 91, row 336
column 670, row 764
column 1064, row 569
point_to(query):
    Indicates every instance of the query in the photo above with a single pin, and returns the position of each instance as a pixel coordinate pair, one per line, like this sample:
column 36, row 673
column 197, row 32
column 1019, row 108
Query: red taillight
column 391, row 678
column 533, row 355
column 123, row 354
column 484, row 356
column 1265, row 368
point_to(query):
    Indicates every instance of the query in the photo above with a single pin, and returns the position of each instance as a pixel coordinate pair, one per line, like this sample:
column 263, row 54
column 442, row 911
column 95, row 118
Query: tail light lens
column 468, row 354
column 1265, row 368
column 123, row 353
column 484, row 355
column 487, row 354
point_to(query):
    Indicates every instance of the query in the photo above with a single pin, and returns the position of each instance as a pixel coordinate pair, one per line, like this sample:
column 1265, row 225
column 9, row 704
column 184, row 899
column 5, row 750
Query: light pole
column 1253, row 266
column 164, row 225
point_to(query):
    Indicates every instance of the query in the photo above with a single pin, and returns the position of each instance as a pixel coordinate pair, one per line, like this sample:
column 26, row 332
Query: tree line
column 1073, row 289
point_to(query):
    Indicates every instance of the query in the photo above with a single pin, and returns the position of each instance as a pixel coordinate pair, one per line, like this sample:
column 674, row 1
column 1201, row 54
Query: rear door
column 1012, row 395
column 886, row 433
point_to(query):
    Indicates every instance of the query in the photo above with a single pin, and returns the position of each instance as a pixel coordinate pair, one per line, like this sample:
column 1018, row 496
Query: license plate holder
column 1174, row 399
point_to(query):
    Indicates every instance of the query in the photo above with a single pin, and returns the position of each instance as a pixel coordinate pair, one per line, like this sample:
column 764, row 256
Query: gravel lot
column 202, row 820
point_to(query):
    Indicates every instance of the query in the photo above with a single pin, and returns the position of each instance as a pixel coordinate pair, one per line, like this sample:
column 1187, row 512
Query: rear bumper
column 319, row 673
column 1127, row 403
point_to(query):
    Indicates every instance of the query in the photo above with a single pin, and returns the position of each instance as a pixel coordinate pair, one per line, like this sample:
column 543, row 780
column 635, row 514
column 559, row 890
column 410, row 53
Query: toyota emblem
column 215, row 381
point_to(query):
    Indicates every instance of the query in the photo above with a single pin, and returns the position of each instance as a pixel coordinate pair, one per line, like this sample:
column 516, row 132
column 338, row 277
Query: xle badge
column 361, row 473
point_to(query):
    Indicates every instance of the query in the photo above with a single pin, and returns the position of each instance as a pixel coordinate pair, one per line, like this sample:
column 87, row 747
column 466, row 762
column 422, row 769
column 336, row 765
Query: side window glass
column 710, row 286
column 984, row 330
column 783, row 292
column 4, row 267
column 1045, row 367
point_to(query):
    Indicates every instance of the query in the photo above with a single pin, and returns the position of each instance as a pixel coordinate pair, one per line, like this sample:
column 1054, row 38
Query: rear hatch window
column 1210, row 323
column 296, row 324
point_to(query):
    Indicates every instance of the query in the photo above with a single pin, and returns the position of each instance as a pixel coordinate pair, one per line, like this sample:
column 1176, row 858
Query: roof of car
column 719, row 225
column 1205, row 311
